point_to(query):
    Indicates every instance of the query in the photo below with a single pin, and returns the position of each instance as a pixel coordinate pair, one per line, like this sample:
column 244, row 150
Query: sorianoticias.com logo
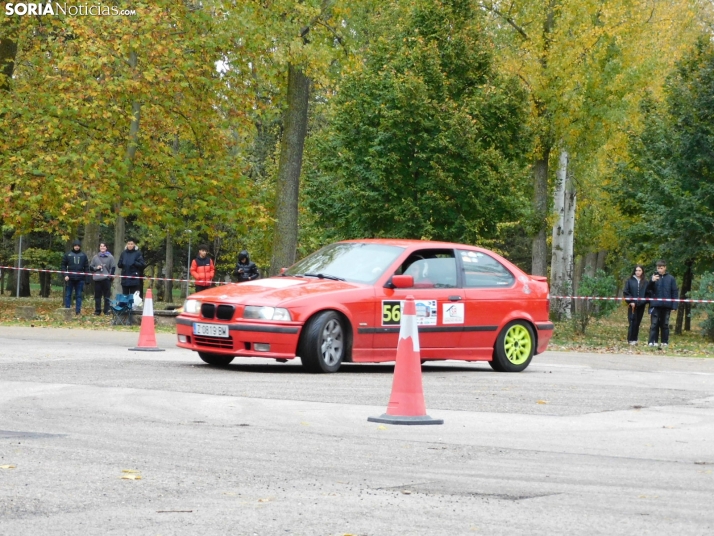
column 61, row 8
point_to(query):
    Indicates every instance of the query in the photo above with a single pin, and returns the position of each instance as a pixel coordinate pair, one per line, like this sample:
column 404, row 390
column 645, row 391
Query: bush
column 706, row 292
column 601, row 285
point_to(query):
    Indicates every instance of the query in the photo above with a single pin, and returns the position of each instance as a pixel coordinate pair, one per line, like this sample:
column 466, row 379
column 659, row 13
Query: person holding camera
column 661, row 289
column 635, row 289
column 245, row 269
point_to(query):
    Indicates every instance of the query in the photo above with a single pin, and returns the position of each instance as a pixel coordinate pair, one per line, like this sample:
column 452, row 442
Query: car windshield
column 350, row 261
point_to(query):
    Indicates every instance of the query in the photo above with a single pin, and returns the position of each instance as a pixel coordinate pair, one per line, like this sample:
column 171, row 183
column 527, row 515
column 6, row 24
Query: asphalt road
column 95, row 439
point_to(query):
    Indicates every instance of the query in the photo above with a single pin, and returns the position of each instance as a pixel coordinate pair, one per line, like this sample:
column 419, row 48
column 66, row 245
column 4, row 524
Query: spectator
column 245, row 269
column 635, row 287
column 662, row 288
column 76, row 262
column 132, row 265
column 103, row 265
column 202, row 269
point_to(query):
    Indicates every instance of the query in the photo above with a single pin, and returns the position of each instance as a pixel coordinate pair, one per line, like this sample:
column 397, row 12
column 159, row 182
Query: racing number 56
column 391, row 312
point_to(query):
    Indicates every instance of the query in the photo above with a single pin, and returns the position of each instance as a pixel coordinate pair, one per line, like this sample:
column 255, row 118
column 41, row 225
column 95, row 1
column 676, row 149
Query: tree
column 557, row 48
column 425, row 140
column 666, row 188
column 97, row 109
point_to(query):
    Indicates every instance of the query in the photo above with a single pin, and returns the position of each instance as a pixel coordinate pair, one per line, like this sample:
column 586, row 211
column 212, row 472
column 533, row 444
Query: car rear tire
column 515, row 347
column 323, row 343
column 217, row 360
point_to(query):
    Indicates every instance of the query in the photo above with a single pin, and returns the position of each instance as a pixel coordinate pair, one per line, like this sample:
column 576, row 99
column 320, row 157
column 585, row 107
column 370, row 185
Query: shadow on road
column 346, row 368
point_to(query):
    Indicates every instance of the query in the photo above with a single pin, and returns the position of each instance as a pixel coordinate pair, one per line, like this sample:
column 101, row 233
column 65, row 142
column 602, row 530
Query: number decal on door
column 391, row 313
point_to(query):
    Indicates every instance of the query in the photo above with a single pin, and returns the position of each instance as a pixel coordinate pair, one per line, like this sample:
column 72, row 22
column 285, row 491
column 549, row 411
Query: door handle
column 454, row 298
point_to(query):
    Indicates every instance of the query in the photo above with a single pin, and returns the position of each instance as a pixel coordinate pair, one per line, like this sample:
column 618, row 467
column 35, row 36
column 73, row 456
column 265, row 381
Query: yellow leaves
column 7, row 467
column 130, row 474
column 542, row 402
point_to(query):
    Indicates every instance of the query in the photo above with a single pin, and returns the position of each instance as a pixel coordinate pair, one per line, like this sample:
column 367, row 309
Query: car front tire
column 323, row 343
column 217, row 360
column 515, row 347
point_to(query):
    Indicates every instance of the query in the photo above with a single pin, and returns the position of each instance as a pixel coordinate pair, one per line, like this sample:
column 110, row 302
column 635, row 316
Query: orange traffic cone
column 147, row 335
column 406, row 405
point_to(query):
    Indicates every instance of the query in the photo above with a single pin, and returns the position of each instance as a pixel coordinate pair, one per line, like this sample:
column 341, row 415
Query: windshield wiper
column 325, row 276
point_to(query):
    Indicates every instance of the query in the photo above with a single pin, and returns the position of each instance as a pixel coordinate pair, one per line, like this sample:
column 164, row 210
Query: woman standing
column 103, row 265
column 635, row 287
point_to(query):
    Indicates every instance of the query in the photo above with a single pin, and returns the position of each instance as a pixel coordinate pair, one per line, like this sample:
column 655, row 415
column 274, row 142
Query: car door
column 491, row 294
column 436, row 283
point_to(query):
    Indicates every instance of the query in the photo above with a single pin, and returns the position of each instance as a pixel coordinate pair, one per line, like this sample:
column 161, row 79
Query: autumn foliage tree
column 426, row 139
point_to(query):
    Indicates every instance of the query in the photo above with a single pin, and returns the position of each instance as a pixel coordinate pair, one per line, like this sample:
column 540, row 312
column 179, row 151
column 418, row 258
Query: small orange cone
column 406, row 405
column 147, row 335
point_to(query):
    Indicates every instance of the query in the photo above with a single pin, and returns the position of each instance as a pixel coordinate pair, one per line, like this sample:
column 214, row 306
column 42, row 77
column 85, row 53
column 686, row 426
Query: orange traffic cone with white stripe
column 406, row 405
column 147, row 334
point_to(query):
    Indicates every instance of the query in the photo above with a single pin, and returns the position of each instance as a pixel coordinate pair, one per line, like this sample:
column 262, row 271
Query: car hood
column 273, row 291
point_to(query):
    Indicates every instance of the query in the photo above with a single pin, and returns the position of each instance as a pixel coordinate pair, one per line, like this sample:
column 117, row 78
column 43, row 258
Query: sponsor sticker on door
column 453, row 313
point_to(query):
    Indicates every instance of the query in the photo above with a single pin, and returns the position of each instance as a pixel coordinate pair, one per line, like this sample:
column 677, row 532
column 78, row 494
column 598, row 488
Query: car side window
column 483, row 271
column 431, row 269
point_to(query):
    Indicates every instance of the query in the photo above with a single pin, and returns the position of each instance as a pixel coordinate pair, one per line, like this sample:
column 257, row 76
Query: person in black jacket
column 660, row 290
column 77, row 263
column 132, row 267
column 245, row 269
column 635, row 289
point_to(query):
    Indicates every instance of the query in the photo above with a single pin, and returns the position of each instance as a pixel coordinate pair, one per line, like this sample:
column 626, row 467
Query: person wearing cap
column 103, row 265
column 202, row 269
column 246, row 270
column 132, row 265
column 76, row 263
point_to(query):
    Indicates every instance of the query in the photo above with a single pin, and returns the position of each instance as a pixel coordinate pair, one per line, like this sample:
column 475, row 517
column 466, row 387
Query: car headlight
column 255, row 312
column 192, row 306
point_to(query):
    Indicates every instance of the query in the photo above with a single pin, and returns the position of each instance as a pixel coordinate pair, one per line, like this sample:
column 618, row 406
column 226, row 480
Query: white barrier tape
column 678, row 300
column 112, row 276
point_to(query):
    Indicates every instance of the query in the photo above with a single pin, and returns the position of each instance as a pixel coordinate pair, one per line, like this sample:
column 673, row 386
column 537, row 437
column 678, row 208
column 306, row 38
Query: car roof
column 407, row 243
column 414, row 244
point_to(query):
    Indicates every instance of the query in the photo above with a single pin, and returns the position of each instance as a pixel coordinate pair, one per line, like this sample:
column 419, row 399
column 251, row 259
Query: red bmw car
column 343, row 304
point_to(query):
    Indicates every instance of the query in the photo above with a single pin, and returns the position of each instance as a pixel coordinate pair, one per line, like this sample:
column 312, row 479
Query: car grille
column 222, row 312
column 225, row 312
column 213, row 342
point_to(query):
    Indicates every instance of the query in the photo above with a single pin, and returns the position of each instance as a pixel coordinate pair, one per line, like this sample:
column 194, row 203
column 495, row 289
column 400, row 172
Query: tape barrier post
column 147, row 334
column 406, row 403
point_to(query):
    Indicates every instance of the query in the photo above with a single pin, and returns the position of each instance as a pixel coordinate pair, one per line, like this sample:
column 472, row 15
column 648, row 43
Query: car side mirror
column 282, row 270
column 403, row 281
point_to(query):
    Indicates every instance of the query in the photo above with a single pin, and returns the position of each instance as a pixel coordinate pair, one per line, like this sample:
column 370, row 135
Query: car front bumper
column 242, row 339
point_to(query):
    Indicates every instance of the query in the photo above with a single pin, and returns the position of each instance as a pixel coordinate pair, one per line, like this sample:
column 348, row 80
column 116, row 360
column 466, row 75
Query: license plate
column 211, row 330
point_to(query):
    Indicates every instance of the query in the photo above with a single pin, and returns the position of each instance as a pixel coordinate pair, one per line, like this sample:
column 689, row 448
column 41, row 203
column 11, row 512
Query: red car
column 343, row 304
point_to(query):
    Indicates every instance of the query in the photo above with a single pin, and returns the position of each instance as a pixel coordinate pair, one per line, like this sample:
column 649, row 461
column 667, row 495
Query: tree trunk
column 600, row 262
column 25, row 284
column 132, row 144
column 683, row 311
column 8, row 50
column 45, row 284
column 90, row 245
column 569, row 241
column 288, row 182
column 590, row 264
column 169, row 269
column 539, row 263
column 559, row 307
